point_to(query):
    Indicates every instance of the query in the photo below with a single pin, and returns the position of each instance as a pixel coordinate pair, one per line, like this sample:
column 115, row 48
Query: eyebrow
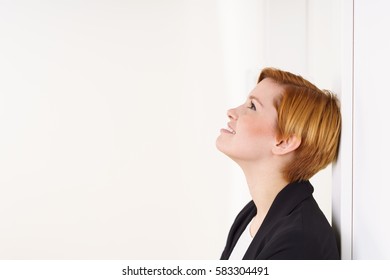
column 255, row 98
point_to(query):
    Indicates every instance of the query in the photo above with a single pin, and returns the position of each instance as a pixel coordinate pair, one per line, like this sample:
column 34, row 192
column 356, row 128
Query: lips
column 229, row 129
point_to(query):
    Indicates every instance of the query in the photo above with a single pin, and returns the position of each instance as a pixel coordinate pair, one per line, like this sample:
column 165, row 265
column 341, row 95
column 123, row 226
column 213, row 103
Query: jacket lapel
column 239, row 225
column 285, row 202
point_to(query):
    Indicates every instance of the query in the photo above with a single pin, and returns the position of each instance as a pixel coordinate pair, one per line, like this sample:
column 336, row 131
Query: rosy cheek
column 259, row 127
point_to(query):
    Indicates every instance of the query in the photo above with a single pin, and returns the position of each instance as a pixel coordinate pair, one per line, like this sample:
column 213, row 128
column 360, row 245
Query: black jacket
column 294, row 228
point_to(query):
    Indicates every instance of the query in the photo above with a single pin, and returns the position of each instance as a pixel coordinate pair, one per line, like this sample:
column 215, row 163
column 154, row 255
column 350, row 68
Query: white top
column 242, row 244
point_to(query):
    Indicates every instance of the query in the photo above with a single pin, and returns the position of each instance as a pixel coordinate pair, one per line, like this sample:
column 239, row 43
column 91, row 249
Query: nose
column 232, row 114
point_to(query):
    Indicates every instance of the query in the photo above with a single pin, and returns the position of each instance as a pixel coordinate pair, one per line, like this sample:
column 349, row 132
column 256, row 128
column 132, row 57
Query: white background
column 371, row 224
column 109, row 111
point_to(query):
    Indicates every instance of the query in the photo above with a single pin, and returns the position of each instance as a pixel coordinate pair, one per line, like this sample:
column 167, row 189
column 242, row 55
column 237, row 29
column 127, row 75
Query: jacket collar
column 287, row 199
column 284, row 203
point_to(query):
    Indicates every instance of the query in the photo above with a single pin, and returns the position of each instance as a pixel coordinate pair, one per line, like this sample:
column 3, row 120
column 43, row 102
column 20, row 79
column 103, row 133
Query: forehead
column 267, row 90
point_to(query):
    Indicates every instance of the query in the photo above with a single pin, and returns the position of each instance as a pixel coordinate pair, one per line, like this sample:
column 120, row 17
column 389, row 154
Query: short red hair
column 312, row 115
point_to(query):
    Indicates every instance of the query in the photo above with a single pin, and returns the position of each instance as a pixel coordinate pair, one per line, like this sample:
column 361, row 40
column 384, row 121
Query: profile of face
column 251, row 133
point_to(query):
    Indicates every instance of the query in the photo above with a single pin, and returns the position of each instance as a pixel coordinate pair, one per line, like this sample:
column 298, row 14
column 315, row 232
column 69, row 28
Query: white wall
column 361, row 197
column 342, row 195
column 109, row 114
column 371, row 225
column 109, row 111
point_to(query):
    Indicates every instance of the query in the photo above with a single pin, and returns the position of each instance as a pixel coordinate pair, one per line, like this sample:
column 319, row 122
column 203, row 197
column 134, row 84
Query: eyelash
column 252, row 107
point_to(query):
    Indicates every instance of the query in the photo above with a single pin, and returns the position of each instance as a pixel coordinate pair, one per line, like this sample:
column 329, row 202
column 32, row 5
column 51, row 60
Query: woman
column 285, row 132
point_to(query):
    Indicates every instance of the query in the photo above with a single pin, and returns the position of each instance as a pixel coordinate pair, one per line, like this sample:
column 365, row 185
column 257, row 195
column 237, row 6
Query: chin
column 220, row 146
column 223, row 150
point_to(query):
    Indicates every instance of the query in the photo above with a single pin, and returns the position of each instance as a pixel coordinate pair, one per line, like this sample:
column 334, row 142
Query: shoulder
column 302, row 234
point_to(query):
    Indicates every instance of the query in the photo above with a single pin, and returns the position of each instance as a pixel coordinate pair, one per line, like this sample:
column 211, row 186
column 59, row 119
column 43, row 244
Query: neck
column 264, row 185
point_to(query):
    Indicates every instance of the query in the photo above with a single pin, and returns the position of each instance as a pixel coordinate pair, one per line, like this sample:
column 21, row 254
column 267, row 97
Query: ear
column 287, row 145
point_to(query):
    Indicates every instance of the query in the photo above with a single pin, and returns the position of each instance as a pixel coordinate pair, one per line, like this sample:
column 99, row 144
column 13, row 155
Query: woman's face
column 252, row 130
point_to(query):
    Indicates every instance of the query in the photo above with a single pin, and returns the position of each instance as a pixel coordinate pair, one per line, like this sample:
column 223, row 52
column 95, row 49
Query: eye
column 252, row 106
